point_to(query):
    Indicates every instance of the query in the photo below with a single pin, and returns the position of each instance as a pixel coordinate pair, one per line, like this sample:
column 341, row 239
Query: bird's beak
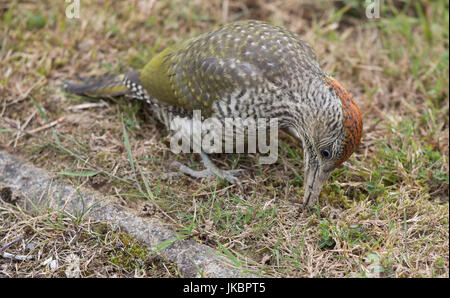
column 315, row 178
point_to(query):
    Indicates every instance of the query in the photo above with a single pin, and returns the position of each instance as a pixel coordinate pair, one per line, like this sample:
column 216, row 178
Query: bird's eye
column 326, row 153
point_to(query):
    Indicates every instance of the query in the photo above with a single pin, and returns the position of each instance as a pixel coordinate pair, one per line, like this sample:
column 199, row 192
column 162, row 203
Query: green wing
column 237, row 56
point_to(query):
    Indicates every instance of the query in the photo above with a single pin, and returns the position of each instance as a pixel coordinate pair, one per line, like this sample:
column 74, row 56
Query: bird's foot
column 211, row 170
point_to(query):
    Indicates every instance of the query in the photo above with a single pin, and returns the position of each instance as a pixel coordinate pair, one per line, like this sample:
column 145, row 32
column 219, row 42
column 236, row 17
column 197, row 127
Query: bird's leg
column 211, row 170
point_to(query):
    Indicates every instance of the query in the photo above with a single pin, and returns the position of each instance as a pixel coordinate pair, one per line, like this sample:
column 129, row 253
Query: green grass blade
column 128, row 147
column 79, row 174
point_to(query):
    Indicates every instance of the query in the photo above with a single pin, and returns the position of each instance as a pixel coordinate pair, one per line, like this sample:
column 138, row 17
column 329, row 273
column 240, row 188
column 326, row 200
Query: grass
column 59, row 245
column 383, row 213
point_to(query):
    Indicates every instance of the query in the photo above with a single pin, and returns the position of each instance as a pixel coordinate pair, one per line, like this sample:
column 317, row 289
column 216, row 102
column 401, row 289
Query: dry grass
column 56, row 244
column 385, row 210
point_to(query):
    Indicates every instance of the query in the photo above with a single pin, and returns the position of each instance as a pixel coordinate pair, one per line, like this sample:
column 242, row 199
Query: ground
column 384, row 212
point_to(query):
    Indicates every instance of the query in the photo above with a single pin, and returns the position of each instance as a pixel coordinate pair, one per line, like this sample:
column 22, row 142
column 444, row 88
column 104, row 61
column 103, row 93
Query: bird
column 253, row 69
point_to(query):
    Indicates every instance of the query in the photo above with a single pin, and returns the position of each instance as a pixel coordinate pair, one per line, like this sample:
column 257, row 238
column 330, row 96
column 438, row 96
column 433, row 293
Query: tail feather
column 110, row 85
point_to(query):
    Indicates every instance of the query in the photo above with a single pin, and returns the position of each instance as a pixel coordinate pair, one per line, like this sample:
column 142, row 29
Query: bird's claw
column 228, row 175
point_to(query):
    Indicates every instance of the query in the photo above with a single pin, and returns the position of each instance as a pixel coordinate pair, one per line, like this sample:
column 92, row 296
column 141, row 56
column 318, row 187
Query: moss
column 336, row 196
column 129, row 253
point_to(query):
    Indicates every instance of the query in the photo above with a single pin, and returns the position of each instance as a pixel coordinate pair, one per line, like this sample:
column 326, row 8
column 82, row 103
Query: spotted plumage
column 249, row 69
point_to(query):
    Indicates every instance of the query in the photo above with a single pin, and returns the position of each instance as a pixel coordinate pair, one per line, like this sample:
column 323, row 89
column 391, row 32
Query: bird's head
column 332, row 135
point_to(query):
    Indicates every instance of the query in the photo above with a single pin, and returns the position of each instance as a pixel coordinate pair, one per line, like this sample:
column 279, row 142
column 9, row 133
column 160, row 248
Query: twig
column 4, row 247
column 19, row 134
column 225, row 5
column 48, row 125
column 7, row 255
column 88, row 105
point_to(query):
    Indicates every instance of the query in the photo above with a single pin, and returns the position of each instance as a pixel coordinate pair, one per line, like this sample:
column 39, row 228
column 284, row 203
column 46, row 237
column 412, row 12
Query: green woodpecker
column 247, row 69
